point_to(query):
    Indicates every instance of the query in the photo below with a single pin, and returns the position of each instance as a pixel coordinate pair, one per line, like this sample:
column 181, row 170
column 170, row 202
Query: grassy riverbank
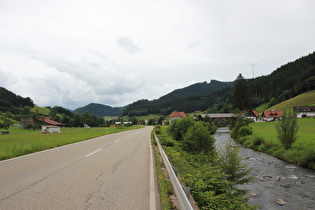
column 20, row 142
column 264, row 138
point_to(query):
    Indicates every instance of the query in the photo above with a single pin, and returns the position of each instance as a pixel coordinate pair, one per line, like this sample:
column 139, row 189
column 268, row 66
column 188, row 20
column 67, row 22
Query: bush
column 179, row 128
column 239, row 123
column 198, row 139
column 258, row 141
column 309, row 160
column 157, row 129
column 244, row 131
column 241, row 140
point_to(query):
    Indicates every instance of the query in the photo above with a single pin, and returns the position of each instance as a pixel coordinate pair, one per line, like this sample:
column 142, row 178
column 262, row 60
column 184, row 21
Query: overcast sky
column 73, row 52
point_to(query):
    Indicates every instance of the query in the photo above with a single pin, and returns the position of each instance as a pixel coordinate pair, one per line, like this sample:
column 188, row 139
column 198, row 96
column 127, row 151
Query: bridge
column 221, row 119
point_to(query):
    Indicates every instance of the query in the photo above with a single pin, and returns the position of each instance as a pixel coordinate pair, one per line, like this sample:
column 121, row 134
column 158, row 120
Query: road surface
column 108, row 172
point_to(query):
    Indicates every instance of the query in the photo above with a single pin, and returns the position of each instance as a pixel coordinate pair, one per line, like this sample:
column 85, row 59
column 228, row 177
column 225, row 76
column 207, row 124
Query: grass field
column 302, row 151
column 41, row 110
column 304, row 99
column 20, row 142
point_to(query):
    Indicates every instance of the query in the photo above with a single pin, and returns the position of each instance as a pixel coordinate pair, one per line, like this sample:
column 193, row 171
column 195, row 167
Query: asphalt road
column 108, row 172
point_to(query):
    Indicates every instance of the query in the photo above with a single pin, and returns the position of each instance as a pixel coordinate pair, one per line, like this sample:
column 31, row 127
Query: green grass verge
column 165, row 186
column 302, row 151
column 20, row 142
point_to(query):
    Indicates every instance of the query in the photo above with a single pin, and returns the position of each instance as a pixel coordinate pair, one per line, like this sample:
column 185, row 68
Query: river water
column 277, row 184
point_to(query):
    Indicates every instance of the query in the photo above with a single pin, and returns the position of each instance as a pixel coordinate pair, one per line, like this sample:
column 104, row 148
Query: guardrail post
column 187, row 191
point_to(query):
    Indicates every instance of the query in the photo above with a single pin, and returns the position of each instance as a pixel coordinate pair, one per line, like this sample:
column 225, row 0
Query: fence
column 179, row 191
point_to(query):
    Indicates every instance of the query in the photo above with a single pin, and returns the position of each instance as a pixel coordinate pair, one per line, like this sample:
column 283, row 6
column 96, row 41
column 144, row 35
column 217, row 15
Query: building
column 176, row 116
column 271, row 115
column 35, row 122
column 304, row 111
column 50, row 129
column 252, row 115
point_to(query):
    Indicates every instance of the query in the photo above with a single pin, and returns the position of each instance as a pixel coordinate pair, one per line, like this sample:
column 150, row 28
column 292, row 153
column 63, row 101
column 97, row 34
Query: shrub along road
column 108, row 172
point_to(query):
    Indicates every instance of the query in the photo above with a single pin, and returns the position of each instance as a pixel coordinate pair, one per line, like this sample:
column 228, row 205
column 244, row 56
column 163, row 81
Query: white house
column 304, row 111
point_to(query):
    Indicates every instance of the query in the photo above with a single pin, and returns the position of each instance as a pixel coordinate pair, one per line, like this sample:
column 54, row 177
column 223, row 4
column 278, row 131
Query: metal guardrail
column 181, row 195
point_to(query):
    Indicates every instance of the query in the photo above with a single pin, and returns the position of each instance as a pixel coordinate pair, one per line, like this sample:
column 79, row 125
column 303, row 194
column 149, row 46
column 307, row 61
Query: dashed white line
column 117, row 140
column 92, row 153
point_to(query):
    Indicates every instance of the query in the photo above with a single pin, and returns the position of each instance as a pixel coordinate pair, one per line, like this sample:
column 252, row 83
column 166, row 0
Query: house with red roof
column 176, row 116
column 35, row 122
column 252, row 115
column 271, row 115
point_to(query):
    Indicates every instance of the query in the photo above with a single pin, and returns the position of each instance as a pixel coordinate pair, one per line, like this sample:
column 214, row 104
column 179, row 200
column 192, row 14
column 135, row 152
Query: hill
column 11, row 102
column 285, row 82
column 99, row 110
column 198, row 96
column 197, row 89
column 304, row 99
column 40, row 110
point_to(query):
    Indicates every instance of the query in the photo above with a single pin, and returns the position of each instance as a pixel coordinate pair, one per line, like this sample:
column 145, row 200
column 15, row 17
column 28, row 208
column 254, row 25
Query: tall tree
column 287, row 130
column 240, row 98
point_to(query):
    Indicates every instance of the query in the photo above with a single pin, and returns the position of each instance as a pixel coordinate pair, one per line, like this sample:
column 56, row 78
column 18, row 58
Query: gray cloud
column 72, row 53
column 128, row 45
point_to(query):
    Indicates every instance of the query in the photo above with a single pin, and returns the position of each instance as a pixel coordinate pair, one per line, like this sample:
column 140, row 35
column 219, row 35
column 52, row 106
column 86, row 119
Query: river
column 277, row 184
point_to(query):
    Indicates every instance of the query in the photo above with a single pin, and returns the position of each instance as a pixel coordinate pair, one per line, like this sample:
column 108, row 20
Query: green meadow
column 302, row 151
column 20, row 142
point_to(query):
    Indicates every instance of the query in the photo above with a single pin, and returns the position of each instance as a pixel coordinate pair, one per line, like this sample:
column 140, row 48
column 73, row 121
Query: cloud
column 128, row 45
column 71, row 53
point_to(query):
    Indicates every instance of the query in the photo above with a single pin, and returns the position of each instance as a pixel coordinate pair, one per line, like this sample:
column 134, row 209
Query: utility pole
column 253, row 67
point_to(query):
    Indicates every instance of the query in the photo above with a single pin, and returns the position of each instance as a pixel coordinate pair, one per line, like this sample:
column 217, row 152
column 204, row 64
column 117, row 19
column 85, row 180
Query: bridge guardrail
column 183, row 200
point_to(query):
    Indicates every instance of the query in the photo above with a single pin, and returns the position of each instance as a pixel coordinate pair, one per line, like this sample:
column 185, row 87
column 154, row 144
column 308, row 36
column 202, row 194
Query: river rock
column 253, row 194
column 280, row 202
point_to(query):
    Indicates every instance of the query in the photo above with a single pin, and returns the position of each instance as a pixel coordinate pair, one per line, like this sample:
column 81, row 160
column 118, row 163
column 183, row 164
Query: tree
column 25, row 110
column 240, row 98
column 232, row 166
column 198, row 139
column 287, row 130
column 179, row 128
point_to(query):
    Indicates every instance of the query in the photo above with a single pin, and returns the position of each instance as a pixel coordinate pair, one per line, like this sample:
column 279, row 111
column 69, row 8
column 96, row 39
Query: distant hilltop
column 100, row 110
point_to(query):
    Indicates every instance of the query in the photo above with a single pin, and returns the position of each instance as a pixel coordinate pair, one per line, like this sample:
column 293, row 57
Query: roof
column 219, row 115
column 255, row 112
column 304, row 108
column 177, row 114
column 250, row 111
column 51, row 122
column 272, row 113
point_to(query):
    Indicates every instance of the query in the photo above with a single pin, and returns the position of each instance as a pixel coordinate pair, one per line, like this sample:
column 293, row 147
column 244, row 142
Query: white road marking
column 92, row 153
column 152, row 181
column 117, row 140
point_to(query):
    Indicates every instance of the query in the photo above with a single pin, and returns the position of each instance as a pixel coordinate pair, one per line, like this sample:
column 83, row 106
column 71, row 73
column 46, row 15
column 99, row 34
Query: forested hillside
column 100, row 110
column 12, row 102
column 198, row 96
column 285, row 82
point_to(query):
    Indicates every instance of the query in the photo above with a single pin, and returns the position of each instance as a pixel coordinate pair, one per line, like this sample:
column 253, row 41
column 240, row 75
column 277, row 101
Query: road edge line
column 152, row 181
